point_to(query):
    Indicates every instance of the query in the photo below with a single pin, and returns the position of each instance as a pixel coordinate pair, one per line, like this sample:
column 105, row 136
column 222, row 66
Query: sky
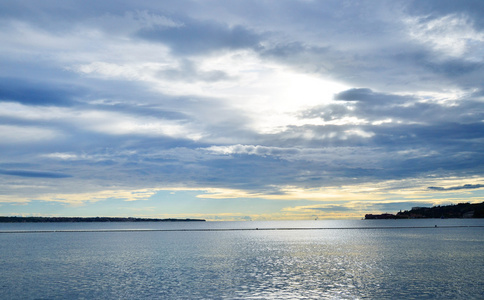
column 240, row 110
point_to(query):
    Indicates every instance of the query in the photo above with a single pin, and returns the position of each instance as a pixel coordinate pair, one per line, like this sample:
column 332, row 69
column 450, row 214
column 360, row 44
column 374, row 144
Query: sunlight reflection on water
column 405, row 263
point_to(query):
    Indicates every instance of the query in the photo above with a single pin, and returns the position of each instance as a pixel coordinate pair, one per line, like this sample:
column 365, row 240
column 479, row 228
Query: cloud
column 34, row 174
column 439, row 8
column 366, row 95
column 187, row 71
column 200, row 37
column 452, row 35
column 13, row 135
column 252, row 150
column 455, row 188
column 334, row 102
column 325, row 208
column 427, row 45
column 37, row 93
column 374, row 109
column 328, row 112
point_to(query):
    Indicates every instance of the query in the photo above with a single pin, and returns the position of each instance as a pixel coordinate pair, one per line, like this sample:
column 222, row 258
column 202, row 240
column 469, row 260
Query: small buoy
column 435, row 225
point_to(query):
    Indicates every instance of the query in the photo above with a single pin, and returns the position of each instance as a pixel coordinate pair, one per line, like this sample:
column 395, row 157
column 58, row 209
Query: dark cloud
column 38, row 93
column 34, row 174
column 460, row 71
column 199, row 37
column 355, row 95
column 478, row 93
column 454, row 68
column 363, row 103
column 452, row 135
column 368, row 96
column 419, row 66
column 423, row 113
column 455, row 188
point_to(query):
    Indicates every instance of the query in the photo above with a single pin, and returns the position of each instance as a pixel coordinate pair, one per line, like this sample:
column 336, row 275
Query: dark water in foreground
column 346, row 260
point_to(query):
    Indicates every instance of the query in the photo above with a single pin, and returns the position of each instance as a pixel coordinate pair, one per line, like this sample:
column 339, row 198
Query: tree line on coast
column 461, row 210
column 87, row 219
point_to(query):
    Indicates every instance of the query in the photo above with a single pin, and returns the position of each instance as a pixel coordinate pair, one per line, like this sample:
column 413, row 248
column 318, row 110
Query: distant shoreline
column 88, row 219
column 457, row 211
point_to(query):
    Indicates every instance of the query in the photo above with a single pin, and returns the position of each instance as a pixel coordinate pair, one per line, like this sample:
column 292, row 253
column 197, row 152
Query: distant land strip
column 87, row 219
column 461, row 210
column 235, row 229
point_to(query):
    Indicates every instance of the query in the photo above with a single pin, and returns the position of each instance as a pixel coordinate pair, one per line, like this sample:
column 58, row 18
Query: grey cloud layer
column 456, row 188
column 400, row 131
column 27, row 173
column 195, row 37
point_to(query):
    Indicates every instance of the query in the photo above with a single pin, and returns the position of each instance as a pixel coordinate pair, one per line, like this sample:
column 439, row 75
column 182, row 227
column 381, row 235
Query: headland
column 461, row 210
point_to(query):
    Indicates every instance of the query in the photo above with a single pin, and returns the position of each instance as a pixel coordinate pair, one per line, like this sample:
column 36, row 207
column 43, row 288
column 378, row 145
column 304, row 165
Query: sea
column 319, row 259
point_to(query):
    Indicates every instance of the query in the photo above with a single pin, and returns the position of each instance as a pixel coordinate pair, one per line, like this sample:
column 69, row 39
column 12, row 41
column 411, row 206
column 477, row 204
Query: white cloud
column 452, row 35
column 250, row 150
column 108, row 122
column 138, row 71
column 62, row 156
column 82, row 198
column 147, row 127
column 13, row 134
column 267, row 93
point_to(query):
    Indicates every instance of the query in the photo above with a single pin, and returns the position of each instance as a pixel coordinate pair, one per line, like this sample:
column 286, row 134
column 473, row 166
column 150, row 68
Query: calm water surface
column 363, row 259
